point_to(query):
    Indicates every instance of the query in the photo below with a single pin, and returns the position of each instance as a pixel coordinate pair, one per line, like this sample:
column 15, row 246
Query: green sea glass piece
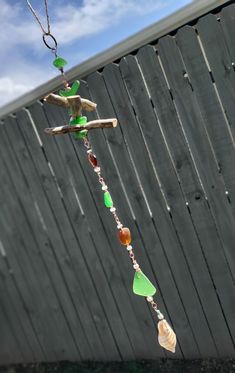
column 81, row 134
column 142, row 286
column 72, row 91
column 82, row 120
column 79, row 120
column 108, row 200
column 59, row 62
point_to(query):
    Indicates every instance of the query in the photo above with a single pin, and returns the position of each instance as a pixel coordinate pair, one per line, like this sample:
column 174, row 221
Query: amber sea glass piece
column 93, row 160
column 124, row 236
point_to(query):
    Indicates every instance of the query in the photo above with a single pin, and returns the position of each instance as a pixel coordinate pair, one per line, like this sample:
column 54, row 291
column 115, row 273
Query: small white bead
column 97, row 169
column 136, row 266
column 104, row 187
column 129, row 247
column 112, row 209
column 89, row 151
column 149, row 299
column 119, row 226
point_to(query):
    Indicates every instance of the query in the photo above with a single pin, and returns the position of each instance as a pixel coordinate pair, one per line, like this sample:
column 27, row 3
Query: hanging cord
column 47, row 34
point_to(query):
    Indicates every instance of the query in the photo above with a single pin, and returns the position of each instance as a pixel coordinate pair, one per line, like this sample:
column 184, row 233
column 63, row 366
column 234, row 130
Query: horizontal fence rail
column 66, row 284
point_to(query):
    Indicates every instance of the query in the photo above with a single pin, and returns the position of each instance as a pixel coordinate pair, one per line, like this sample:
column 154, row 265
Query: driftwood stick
column 56, row 100
column 65, row 101
column 94, row 124
column 88, row 105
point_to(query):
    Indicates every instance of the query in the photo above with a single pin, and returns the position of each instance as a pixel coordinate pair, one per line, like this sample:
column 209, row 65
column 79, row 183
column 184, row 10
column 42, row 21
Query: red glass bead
column 124, row 236
column 93, row 160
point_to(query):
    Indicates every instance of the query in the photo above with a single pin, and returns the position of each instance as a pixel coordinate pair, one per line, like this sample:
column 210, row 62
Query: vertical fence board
column 227, row 16
column 10, row 351
column 211, row 35
column 22, row 267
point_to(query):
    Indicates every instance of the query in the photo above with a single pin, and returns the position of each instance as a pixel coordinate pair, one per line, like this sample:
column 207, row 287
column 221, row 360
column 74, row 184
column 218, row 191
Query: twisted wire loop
column 46, row 32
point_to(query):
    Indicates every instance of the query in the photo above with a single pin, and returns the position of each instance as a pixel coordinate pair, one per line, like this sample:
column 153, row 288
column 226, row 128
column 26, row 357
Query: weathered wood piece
column 94, row 124
column 75, row 102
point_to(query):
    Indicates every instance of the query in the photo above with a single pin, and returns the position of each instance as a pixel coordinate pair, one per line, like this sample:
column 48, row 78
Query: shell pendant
column 166, row 336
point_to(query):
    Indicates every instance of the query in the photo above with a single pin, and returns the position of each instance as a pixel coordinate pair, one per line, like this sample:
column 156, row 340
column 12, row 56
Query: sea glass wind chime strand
column 78, row 124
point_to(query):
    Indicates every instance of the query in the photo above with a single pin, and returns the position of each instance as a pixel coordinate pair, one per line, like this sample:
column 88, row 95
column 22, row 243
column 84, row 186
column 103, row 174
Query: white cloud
column 20, row 35
column 17, row 82
column 72, row 22
column 95, row 16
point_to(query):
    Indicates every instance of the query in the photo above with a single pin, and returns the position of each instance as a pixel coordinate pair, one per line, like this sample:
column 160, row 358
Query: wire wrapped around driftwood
column 94, row 124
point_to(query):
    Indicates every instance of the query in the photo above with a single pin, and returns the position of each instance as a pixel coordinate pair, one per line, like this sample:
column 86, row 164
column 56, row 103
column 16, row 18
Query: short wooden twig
column 76, row 103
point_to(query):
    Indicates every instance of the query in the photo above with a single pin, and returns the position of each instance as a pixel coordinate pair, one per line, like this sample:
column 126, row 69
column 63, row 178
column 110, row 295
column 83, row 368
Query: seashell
column 166, row 336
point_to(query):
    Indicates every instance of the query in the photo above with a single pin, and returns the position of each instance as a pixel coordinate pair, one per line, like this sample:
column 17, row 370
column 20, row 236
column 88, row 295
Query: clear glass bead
column 160, row 315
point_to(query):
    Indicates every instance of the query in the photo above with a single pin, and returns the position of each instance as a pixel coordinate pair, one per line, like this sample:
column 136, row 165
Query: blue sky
column 82, row 29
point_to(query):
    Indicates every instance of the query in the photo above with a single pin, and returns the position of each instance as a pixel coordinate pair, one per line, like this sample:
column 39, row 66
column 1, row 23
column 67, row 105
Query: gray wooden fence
column 65, row 281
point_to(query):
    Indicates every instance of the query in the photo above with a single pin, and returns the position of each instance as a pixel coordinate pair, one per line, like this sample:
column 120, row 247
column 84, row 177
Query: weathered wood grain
column 227, row 16
column 211, row 36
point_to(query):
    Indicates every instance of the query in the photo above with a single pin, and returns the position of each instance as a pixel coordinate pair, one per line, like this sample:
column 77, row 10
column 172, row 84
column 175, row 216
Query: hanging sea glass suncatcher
column 70, row 99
